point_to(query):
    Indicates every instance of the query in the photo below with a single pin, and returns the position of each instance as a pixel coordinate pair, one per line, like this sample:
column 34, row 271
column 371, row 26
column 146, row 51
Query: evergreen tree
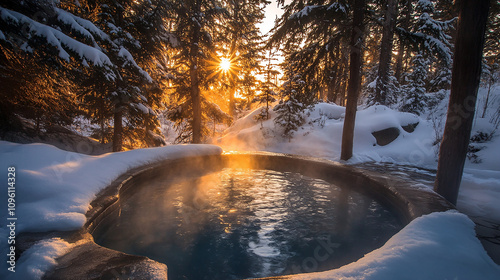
column 126, row 94
column 415, row 98
column 290, row 110
column 313, row 35
column 433, row 40
column 41, row 48
column 383, row 88
column 194, row 25
column 267, row 88
column 355, row 63
column 242, row 39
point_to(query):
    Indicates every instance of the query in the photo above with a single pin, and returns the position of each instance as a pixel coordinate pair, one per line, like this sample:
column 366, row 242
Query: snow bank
column 39, row 258
column 479, row 194
column 54, row 187
column 321, row 136
column 435, row 246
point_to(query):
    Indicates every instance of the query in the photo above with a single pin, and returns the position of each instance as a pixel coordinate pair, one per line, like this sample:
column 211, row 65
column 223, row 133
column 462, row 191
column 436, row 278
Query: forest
column 128, row 66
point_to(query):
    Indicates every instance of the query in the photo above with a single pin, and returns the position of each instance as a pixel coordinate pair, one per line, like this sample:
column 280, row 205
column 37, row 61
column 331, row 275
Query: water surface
column 241, row 223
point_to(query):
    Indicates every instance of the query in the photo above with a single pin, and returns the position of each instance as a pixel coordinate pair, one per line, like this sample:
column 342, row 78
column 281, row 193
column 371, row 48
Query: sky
column 271, row 11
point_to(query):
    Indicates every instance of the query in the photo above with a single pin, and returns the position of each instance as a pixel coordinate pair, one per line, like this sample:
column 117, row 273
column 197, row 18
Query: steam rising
column 242, row 223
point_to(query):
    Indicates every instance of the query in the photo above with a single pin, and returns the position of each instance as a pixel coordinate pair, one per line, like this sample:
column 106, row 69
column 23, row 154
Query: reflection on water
column 241, row 223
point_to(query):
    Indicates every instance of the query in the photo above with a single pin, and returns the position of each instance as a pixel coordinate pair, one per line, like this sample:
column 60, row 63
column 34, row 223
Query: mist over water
column 244, row 223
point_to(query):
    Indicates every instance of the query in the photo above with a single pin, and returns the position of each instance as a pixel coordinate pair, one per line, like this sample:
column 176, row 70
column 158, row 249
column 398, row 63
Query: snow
column 57, row 39
column 321, row 137
column 322, row 134
column 57, row 186
column 304, row 12
column 81, row 25
column 142, row 108
column 39, row 258
column 436, row 246
column 124, row 53
column 54, row 189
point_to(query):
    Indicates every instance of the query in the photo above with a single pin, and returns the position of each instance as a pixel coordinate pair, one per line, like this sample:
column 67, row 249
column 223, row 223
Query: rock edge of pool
column 88, row 260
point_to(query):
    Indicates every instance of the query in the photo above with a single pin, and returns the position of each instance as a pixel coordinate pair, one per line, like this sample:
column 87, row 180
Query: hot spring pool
column 246, row 223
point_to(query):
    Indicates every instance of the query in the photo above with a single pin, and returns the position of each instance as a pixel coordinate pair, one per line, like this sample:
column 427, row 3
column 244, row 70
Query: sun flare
column 225, row 64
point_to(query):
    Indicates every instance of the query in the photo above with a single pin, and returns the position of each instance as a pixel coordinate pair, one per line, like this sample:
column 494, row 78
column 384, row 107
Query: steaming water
column 240, row 223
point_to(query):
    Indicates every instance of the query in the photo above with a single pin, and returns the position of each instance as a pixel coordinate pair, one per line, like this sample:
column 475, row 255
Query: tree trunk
column 465, row 82
column 232, row 104
column 487, row 100
column 405, row 24
column 385, row 53
column 196, row 100
column 354, row 86
column 333, row 78
column 331, row 95
column 195, row 83
column 118, row 127
column 102, row 122
column 231, row 75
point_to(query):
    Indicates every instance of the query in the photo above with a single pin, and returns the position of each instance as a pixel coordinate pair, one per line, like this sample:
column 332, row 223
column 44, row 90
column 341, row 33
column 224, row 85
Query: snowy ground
column 54, row 188
column 321, row 135
column 406, row 255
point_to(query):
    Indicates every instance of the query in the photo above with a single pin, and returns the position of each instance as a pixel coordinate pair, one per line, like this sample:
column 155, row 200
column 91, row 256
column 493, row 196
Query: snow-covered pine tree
column 289, row 116
column 266, row 97
column 42, row 49
column 415, row 97
column 91, row 42
column 433, row 39
column 290, row 110
column 314, row 36
column 268, row 93
column 127, row 93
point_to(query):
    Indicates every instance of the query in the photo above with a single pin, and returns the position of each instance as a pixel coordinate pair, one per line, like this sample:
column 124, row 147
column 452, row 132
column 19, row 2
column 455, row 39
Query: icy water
column 239, row 223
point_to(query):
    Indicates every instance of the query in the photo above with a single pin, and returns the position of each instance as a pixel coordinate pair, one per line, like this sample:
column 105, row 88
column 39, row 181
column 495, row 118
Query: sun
column 225, row 64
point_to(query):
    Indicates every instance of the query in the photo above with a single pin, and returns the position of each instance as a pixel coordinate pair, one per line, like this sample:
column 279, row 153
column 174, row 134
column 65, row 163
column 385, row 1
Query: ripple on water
column 240, row 223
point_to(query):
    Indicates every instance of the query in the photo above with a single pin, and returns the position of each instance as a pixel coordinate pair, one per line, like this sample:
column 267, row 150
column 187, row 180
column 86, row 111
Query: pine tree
column 290, row 110
column 415, row 98
column 382, row 88
column 355, row 62
column 242, row 39
column 42, row 48
column 91, row 42
column 267, row 88
column 194, row 26
column 313, row 36
column 433, row 39
column 126, row 93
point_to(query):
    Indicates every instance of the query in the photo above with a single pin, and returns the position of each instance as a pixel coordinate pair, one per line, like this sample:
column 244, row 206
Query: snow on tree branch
column 55, row 38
